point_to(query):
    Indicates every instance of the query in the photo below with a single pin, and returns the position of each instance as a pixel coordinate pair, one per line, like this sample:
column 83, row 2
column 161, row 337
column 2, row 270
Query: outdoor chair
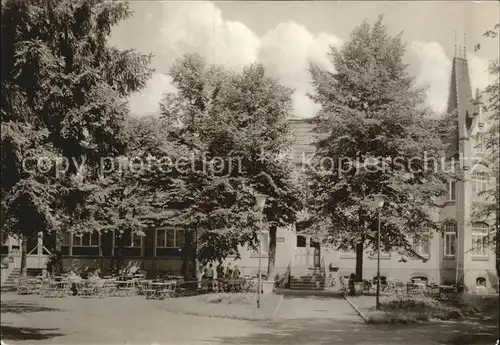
column 125, row 288
column 142, row 285
column 107, row 289
column 29, row 286
column 88, row 289
column 23, row 288
column 249, row 285
column 168, row 292
column 57, row 289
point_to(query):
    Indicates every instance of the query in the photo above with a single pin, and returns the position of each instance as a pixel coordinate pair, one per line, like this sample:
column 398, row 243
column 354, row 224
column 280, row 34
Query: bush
column 412, row 309
column 409, row 303
column 226, row 298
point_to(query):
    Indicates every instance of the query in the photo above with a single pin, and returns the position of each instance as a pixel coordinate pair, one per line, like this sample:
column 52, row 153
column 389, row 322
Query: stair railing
column 323, row 269
column 287, row 276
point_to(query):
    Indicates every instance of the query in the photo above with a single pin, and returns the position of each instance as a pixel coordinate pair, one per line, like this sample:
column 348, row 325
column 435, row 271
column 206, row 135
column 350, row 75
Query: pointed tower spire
column 455, row 39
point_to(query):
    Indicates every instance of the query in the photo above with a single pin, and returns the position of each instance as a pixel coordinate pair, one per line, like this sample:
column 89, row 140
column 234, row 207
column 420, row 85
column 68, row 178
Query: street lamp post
column 260, row 200
column 379, row 202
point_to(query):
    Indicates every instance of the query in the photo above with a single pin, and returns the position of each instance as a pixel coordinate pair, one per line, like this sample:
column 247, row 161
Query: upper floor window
column 479, row 142
column 169, row 238
column 480, row 181
column 450, row 236
column 451, row 188
column 423, row 245
column 86, row 240
column 479, row 239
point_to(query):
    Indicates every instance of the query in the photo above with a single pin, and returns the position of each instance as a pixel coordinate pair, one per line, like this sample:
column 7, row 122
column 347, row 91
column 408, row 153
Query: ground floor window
column 450, row 236
column 480, row 239
column 422, row 245
column 481, row 282
column 86, row 239
column 132, row 240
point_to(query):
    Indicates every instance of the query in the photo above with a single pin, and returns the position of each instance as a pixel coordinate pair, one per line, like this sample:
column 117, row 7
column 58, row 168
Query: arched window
column 480, row 181
column 480, row 239
column 481, row 282
column 450, row 236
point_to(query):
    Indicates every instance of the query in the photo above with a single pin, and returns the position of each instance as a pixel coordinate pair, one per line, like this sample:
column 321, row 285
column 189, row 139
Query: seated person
column 133, row 270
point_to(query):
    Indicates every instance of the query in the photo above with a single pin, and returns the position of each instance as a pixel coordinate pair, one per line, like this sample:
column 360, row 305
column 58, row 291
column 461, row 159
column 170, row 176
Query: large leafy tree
column 378, row 136
column 233, row 125
column 64, row 103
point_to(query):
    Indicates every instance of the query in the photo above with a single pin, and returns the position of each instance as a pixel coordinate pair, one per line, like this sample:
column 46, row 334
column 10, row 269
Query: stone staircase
column 10, row 284
column 307, row 279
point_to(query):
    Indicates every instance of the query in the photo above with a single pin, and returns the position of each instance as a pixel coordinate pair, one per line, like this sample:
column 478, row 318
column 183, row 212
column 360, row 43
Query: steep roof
column 460, row 97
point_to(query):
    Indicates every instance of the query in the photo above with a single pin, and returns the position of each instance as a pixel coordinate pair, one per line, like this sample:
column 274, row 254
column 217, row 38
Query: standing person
column 229, row 278
column 50, row 265
column 209, row 275
column 352, row 289
column 220, row 276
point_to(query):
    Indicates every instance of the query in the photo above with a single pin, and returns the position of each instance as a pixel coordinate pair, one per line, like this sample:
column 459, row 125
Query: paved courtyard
column 134, row 320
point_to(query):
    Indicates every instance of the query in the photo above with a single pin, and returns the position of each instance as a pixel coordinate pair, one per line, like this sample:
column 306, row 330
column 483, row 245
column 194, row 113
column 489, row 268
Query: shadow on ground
column 17, row 307
column 27, row 333
column 328, row 331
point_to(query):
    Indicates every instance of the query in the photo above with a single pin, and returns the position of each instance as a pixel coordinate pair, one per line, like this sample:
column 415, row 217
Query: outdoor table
column 125, row 287
column 160, row 290
column 234, row 284
column 57, row 288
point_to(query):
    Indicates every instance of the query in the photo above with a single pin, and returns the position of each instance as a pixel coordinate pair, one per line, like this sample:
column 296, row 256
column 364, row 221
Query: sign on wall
column 280, row 239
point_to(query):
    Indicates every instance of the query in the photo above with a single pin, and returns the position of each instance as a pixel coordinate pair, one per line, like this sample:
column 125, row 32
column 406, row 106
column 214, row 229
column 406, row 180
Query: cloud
column 286, row 52
column 478, row 69
column 147, row 102
column 171, row 29
column 435, row 72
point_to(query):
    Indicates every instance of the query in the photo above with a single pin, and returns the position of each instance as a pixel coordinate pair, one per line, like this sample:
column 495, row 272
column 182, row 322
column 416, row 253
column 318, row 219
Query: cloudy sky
column 286, row 36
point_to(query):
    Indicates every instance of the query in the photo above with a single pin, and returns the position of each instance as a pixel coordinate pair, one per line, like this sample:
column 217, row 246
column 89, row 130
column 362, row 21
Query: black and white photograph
column 250, row 172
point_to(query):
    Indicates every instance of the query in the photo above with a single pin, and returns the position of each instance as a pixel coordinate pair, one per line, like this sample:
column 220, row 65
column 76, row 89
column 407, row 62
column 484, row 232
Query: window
column 479, row 239
column 451, row 188
column 480, row 142
column 481, row 282
column 169, row 238
column 86, row 240
column 132, row 240
column 450, row 236
column 480, row 181
column 301, row 241
column 423, row 245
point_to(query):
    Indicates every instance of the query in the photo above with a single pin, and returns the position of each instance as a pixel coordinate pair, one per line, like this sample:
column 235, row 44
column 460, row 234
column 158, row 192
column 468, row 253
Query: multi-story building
column 459, row 253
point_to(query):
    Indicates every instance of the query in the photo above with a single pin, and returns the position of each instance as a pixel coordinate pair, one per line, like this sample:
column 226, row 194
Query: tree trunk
column 359, row 261
column 271, row 263
column 119, row 254
column 58, row 252
column 24, row 252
